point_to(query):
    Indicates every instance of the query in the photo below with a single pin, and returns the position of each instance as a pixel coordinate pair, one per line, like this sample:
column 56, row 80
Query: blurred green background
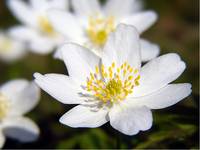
column 177, row 30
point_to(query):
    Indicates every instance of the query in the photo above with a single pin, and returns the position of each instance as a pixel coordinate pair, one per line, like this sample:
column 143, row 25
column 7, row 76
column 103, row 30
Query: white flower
column 115, row 88
column 91, row 24
column 18, row 97
column 36, row 29
column 10, row 49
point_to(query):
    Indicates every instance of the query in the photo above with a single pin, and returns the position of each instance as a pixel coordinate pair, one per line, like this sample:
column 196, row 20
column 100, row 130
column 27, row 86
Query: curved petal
column 24, row 96
column 158, row 73
column 86, row 7
column 165, row 97
column 23, row 33
column 12, row 88
column 142, row 21
column 2, row 139
column 60, row 87
column 38, row 4
column 82, row 116
column 43, row 5
column 66, row 24
column 42, row 45
column 130, row 120
column 79, row 61
column 59, row 4
column 37, row 42
column 121, row 8
column 23, row 12
column 28, row 99
column 123, row 45
column 149, row 50
column 21, row 128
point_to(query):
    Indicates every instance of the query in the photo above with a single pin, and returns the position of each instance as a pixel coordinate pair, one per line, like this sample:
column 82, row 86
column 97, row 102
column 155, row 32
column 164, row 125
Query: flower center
column 112, row 84
column 5, row 44
column 99, row 29
column 45, row 26
column 4, row 106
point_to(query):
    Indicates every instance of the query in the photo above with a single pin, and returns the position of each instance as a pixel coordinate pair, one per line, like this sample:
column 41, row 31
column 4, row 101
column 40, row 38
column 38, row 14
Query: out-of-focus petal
column 142, row 21
column 149, row 50
column 66, row 24
column 21, row 128
column 121, row 8
column 23, row 12
column 22, row 94
column 86, row 7
column 2, row 139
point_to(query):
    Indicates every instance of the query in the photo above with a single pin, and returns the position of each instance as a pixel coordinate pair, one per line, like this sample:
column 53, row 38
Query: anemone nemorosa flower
column 10, row 49
column 36, row 30
column 115, row 88
column 90, row 24
column 18, row 97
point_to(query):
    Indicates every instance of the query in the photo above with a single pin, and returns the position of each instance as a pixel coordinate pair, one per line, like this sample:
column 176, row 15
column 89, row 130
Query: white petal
column 123, row 45
column 86, row 7
column 16, row 49
column 82, row 116
column 23, row 12
column 28, row 98
column 13, row 87
column 79, row 61
column 121, row 8
column 130, row 120
column 60, row 87
column 43, row 5
column 142, row 21
column 37, row 42
column 42, row 45
column 23, row 33
column 38, row 4
column 158, row 73
column 149, row 50
column 60, row 4
column 165, row 97
column 21, row 128
column 2, row 139
column 66, row 24
column 24, row 96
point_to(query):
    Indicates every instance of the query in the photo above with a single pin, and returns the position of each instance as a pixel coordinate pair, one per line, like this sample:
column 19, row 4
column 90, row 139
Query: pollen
column 45, row 26
column 112, row 84
column 99, row 29
column 4, row 106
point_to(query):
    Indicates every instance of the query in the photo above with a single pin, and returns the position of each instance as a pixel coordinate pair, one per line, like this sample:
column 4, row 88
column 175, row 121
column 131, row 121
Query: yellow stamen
column 45, row 26
column 112, row 85
column 99, row 29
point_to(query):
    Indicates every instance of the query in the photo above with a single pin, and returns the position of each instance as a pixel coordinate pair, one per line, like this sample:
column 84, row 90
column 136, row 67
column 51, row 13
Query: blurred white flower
column 90, row 24
column 10, row 49
column 18, row 97
column 115, row 88
column 36, row 30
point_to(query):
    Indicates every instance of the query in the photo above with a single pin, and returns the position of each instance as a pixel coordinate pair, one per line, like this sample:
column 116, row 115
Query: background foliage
column 177, row 30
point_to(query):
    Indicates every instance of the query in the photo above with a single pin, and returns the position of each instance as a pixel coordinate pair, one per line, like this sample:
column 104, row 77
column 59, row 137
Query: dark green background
column 177, row 30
